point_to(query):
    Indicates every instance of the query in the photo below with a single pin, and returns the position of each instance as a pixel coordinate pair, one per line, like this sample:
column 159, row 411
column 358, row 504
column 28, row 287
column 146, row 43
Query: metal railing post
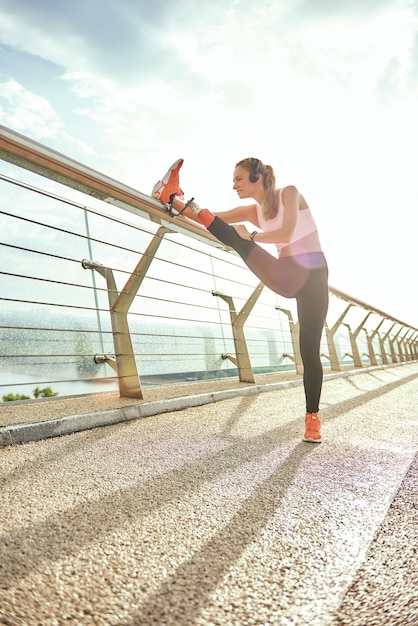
column 330, row 334
column 382, row 340
column 386, row 337
column 353, row 338
column 242, row 360
column 406, row 345
column 119, row 304
column 370, row 338
column 294, row 333
column 398, row 343
column 414, row 345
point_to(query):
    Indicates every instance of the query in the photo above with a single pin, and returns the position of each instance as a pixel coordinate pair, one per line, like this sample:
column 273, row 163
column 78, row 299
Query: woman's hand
column 242, row 231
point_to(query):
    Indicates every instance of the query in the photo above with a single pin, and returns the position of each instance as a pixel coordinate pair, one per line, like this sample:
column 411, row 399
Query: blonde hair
column 270, row 204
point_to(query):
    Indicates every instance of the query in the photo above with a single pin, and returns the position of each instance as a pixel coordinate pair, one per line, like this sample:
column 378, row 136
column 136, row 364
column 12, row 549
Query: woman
column 283, row 218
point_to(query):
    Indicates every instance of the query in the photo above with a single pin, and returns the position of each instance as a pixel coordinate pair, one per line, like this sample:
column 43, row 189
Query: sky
column 325, row 91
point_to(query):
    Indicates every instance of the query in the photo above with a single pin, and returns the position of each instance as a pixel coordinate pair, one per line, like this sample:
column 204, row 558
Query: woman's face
column 242, row 184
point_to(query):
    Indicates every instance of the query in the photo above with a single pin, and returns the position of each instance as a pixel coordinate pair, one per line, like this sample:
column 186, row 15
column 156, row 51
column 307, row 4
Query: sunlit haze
column 325, row 91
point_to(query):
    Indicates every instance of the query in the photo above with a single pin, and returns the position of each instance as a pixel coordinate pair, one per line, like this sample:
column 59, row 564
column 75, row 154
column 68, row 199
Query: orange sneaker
column 169, row 185
column 312, row 428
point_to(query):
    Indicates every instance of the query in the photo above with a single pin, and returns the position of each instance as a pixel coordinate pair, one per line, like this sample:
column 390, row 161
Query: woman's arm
column 291, row 199
column 240, row 214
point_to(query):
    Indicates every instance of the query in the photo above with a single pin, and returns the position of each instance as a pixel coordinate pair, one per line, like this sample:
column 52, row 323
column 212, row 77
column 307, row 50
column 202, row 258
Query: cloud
column 23, row 110
column 124, row 40
column 413, row 69
column 357, row 53
column 330, row 9
column 388, row 84
column 31, row 114
column 236, row 94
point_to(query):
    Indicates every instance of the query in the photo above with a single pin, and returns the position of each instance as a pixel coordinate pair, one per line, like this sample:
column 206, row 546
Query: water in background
column 11, row 382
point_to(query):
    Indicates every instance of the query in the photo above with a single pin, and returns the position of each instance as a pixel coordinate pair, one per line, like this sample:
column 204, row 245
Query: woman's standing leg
column 312, row 306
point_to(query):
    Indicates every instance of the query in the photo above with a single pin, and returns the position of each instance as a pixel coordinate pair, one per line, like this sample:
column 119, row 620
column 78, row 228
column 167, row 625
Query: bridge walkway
column 219, row 515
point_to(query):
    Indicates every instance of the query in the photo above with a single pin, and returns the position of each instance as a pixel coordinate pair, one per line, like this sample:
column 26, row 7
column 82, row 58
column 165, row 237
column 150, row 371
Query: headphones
column 255, row 174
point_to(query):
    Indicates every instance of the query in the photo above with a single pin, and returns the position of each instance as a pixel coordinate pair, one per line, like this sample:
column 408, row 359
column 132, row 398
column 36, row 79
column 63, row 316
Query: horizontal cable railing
column 117, row 297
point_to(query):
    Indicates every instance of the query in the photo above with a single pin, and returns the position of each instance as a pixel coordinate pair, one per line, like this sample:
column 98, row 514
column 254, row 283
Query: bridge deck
column 219, row 514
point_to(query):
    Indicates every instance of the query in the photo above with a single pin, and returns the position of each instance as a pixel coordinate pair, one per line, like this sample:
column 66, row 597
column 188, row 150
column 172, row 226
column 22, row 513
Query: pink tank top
column 305, row 224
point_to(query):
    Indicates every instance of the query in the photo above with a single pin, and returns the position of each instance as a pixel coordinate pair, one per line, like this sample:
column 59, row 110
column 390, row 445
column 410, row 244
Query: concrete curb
column 25, row 433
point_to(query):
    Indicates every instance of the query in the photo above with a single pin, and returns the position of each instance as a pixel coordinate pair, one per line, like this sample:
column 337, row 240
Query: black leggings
column 304, row 277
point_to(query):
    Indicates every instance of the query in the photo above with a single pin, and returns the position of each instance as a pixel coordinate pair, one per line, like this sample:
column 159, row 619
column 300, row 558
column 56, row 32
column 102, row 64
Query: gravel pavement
column 219, row 515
